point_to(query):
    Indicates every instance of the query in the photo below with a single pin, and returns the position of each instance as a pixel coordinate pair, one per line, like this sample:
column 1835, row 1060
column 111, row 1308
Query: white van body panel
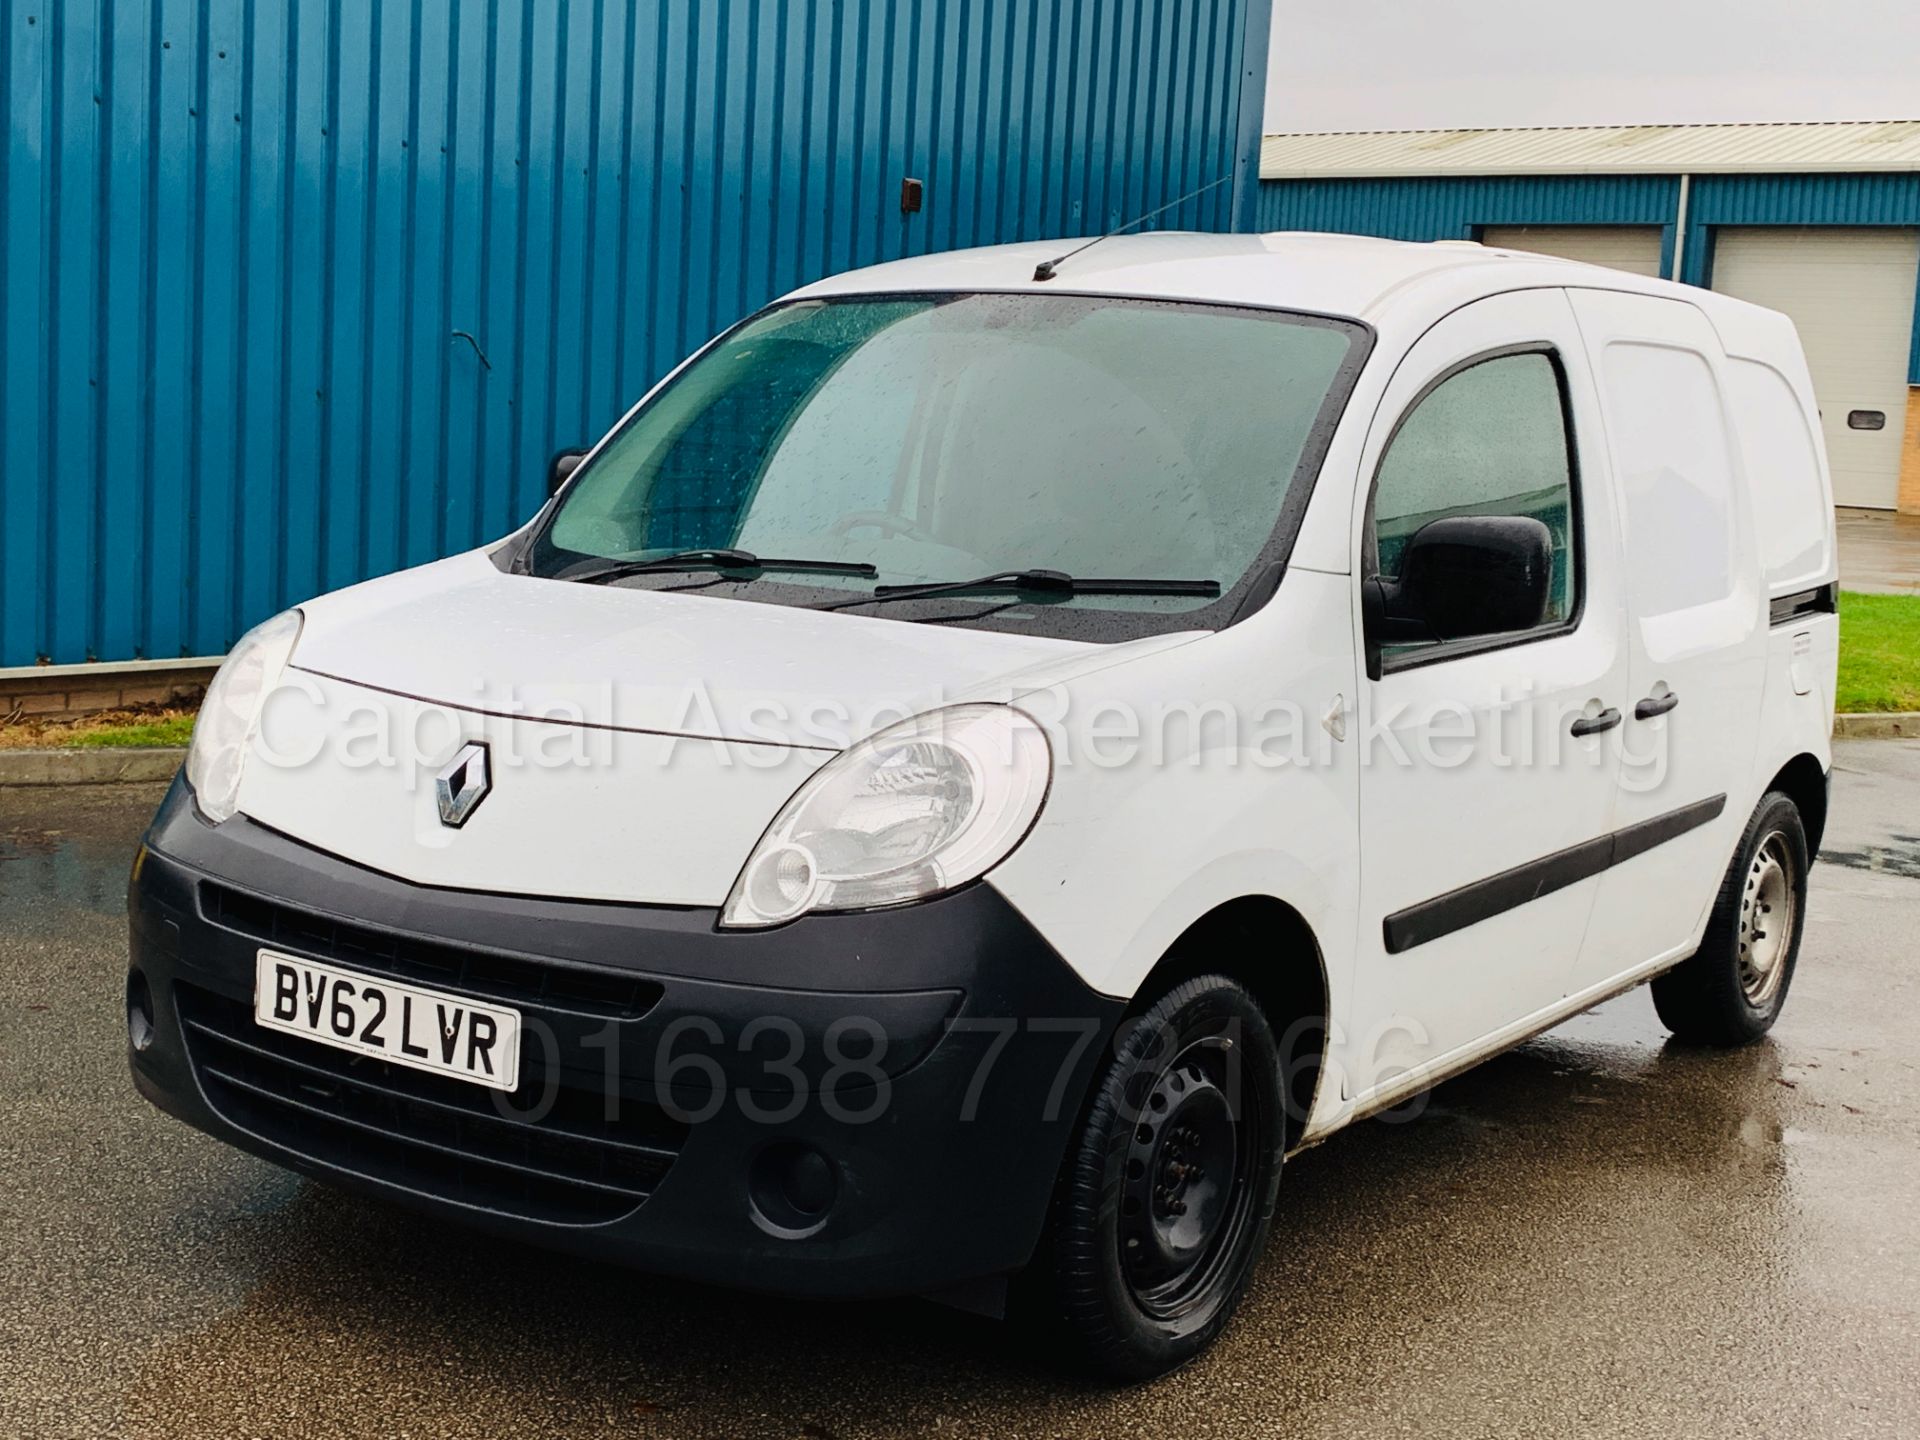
column 463, row 633
column 1699, row 619
column 1322, row 274
column 1780, row 440
column 1473, row 772
column 1796, row 711
column 1130, row 852
column 575, row 811
column 1783, row 445
column 670, row 728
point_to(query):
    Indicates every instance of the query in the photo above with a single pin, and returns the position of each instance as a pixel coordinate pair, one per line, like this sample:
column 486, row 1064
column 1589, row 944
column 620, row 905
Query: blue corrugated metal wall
column 1457, row 207
column 1447, row 207
column 297, row 293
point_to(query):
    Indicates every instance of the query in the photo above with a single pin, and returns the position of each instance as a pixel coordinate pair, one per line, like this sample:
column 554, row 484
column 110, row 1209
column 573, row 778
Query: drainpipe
column 1255, row 40
column 1680, row 229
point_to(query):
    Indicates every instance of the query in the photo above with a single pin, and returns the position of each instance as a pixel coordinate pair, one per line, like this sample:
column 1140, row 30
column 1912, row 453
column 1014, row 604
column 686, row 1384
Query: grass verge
column 1879, row 653
column 139, row 727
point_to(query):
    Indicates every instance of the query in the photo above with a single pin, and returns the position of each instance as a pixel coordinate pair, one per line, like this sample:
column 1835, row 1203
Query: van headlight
column 230, row 715
column 919, row 808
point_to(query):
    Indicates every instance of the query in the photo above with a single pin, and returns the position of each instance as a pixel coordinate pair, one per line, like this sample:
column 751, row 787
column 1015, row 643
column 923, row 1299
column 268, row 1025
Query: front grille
column 403, row 957
column 576, row 1164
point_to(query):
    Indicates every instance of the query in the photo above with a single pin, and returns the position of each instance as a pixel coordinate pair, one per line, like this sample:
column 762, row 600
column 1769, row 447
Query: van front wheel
column 1168, row 1187
column 1731, row 990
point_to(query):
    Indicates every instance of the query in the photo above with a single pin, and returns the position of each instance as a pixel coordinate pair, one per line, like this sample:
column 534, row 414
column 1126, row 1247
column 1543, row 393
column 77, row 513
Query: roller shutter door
column 1633, row 248
column 1850, row 294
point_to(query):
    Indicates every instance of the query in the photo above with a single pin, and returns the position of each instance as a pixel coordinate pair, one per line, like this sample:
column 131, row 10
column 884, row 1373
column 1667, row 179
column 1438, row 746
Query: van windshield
column 938, row 438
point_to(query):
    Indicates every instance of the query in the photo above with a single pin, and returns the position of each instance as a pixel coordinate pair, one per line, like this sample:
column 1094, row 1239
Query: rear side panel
column 1777, row 429
column 1779, row 432
column 1697, row 617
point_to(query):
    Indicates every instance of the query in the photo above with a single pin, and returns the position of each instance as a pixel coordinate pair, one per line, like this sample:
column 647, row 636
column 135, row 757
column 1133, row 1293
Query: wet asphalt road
column 1597, row 1234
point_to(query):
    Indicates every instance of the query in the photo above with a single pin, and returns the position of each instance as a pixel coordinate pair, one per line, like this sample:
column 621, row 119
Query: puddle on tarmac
column 65, row 851
column 44, row 871
column 1900, row 855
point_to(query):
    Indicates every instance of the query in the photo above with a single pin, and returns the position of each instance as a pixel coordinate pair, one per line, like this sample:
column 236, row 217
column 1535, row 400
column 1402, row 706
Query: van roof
column 1349, row 275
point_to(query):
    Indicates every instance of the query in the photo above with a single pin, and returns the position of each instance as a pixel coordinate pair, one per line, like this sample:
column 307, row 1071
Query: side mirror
column 560, row 469
column 1469, row 575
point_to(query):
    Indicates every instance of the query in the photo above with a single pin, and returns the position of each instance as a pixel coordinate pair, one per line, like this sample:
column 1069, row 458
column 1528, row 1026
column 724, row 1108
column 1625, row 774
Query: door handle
column 1655, row 705
column 1594, row 724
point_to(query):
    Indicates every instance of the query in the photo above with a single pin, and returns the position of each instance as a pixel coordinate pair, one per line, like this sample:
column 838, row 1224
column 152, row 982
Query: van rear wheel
column 1168, row 1186
column 1732, row 989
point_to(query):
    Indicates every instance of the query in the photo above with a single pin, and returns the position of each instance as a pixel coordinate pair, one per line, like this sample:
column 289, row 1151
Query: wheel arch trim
column 1294, row 990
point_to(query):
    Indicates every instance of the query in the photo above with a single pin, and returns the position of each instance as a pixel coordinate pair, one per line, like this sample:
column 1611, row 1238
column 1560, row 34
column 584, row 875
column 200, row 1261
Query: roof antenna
column 1047, row 269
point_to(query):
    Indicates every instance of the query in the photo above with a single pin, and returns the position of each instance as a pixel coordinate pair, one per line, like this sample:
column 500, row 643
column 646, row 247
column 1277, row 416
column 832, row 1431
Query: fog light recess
column 139, row 1011
column 791, row 1188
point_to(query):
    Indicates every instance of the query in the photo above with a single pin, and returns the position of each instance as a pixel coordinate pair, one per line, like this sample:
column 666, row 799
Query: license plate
column 371, row 1015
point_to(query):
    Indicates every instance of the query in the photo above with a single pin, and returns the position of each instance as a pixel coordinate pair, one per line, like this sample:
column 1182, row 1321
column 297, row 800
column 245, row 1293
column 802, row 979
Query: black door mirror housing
column 560, row 469
column 1464, row 576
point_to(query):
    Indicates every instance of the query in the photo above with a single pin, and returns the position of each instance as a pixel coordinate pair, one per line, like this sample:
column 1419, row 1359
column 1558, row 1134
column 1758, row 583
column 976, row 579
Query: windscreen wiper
column 714, row 560
column 1049, row 583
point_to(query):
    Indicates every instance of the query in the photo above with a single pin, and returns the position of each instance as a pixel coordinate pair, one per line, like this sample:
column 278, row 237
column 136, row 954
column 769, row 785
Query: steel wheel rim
column 1187, row 1186
column 1769, row 913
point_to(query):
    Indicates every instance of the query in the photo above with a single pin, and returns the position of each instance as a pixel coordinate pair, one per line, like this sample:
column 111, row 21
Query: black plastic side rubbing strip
column 1638, row 839
column 1495, row 895
column 1483, row 899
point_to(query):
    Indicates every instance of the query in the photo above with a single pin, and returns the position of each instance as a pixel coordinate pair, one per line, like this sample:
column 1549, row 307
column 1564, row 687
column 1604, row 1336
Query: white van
column 976, row 768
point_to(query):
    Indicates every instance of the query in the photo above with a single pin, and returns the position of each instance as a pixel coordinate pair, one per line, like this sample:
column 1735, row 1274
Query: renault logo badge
column 463, row 784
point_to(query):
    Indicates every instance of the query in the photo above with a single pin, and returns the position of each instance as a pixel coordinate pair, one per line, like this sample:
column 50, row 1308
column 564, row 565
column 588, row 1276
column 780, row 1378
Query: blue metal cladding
column 1880, row 199
column 293, row 294
column 1456, row 207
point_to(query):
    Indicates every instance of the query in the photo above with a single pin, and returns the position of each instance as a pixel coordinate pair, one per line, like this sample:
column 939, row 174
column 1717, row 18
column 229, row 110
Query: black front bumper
column 672, row 1103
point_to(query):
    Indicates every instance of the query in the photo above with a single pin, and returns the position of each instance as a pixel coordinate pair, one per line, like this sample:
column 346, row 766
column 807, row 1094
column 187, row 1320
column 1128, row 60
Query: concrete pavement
column 1598, row 1234
column 1879, row 551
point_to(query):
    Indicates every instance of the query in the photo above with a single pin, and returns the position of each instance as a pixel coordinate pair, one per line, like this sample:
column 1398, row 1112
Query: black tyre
column 1167, row 1190
column 1731, row 990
